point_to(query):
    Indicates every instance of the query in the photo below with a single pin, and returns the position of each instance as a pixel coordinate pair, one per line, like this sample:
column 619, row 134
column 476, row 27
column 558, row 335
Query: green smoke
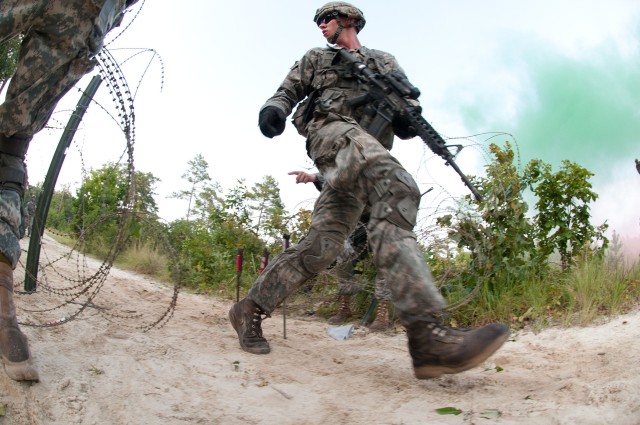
column 583, row 108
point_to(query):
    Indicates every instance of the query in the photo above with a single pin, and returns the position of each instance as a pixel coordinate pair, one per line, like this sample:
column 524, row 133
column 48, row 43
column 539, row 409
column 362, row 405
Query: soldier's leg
column 356, row 249
column 383, row 295
column 435, row 349
column 347, row 287
column 48, row 67
column 14, row 349
column 334, row 217
column 53, row 57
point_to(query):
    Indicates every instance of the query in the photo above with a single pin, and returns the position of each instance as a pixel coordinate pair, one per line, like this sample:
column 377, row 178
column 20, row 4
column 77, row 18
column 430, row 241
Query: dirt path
column 192, row 371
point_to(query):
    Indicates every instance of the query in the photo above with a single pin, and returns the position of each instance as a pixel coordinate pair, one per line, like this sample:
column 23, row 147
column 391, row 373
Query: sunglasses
column 325, row 19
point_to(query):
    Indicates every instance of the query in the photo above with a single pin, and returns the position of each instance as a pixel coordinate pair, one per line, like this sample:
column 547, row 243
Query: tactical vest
column 334, row 85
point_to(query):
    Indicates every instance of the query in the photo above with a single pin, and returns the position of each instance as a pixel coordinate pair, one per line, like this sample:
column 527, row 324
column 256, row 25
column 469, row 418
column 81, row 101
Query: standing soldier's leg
column 347, row 285
column 14, row 348
column 355, row 251
column 383, row 295
column 53, row 57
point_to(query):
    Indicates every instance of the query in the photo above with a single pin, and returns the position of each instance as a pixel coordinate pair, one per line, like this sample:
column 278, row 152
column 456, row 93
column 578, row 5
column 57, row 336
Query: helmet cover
column 340, row 8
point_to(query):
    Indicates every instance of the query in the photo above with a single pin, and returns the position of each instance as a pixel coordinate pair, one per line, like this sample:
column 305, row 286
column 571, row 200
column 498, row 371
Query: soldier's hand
column 402, row 126
column 304, row 177
column 271, row 121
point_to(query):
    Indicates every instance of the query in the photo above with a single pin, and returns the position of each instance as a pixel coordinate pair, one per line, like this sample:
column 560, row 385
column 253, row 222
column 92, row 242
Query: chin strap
column 334, row 39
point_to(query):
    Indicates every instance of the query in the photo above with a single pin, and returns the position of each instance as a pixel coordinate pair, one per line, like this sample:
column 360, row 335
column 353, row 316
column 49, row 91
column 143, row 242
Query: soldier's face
column 328, row 28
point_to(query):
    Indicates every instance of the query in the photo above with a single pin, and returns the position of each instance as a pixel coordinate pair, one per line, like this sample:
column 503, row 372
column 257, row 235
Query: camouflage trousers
column 59, row 42
column 57, row 49
column 360, row 173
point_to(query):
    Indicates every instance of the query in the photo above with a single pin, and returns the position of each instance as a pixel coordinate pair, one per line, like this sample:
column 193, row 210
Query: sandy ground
column 96, row 370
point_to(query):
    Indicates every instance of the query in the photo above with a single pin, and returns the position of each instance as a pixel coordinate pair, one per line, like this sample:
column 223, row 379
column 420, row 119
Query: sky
column 559, row 80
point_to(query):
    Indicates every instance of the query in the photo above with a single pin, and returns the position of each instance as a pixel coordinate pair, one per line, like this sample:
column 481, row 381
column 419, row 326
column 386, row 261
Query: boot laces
column 257, row 316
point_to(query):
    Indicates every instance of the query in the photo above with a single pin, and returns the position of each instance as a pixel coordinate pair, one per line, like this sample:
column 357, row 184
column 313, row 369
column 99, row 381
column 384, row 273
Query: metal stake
column 285, row 245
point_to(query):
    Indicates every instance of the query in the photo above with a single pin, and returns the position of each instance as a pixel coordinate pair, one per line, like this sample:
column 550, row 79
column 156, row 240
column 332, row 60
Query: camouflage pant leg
column 53, row 57
column 406, row 273
column 351, row 159
column 345, row 275
column 382, row 290
column 335, row 215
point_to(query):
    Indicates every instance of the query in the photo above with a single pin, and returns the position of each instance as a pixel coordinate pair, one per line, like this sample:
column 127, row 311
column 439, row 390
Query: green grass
column 142, row 259
column 595, row 288
column 146, row 260
column 598, row 288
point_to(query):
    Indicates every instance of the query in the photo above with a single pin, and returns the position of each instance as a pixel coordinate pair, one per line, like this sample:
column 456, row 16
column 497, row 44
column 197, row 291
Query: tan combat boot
column 246, row 318
column 13, row 343
column 381, row 322
column 436, row 349
column 343, row 313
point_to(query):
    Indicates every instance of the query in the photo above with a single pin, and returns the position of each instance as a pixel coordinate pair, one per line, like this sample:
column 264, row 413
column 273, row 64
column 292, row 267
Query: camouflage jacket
column 318, row 86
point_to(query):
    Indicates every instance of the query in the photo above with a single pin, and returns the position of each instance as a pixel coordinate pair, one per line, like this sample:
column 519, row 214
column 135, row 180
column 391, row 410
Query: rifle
column 394, row 94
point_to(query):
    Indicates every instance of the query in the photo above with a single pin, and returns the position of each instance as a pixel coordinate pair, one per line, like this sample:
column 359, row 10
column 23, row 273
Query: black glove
column 402, row 128
column 272, row 121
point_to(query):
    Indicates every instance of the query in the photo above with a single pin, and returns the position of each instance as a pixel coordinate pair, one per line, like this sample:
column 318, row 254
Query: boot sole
column 236, row 323
column 430, row 372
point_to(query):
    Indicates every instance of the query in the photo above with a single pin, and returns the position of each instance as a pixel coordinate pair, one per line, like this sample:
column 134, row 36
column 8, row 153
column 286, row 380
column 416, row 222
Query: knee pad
column 319, row 250
column 396, row 199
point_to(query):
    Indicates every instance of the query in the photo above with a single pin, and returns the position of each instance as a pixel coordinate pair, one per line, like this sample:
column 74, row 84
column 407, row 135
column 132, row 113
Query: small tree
column 301, row 224
column 269, row 208
column 60, row 214
column 236, row 204
column 563, row 218
column 101, row 199
column 196, row 175
column 498, row 234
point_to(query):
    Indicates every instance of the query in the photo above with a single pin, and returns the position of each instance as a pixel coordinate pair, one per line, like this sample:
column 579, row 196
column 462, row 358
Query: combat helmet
column 341, row 8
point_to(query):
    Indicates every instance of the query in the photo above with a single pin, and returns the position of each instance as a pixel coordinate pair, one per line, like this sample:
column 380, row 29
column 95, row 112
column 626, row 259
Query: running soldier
column 359, row 173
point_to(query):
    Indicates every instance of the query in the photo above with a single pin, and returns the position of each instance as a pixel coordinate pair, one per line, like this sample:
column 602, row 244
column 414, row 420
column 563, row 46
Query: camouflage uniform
column 60, row 39
column 359, row 173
